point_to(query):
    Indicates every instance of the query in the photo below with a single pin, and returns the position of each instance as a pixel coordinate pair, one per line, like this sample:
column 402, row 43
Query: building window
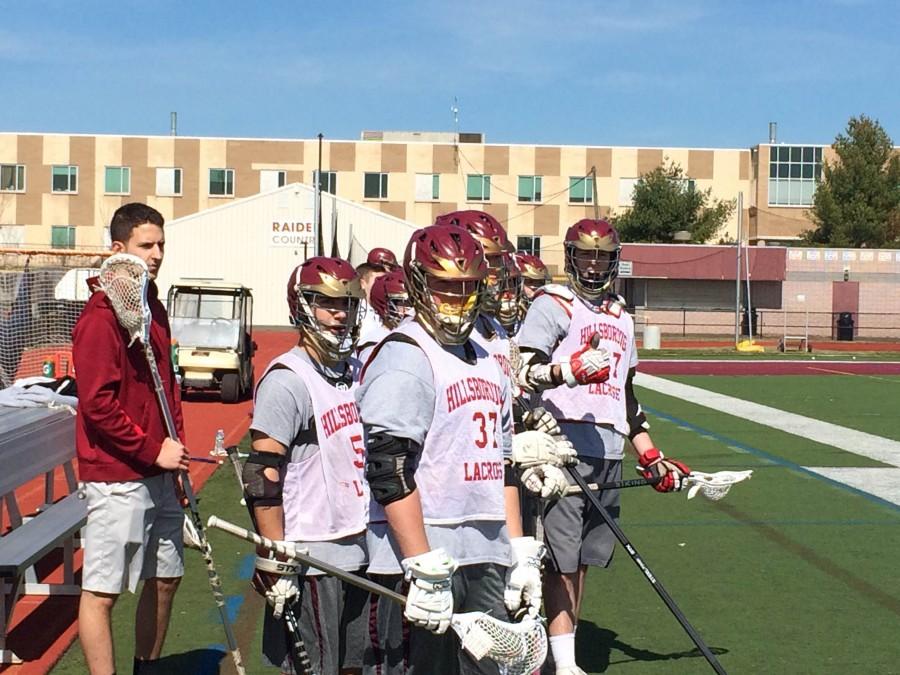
column 328, row 182
column 530, row 245
column 626, row 191
column 271, row 179
column 117, row 180
column 794, row 173
column 530, row 188
column 168, row 182
column 478, row 188
column 221, row 182
column 428, row 187
column 64, row 179
column 581, row 190
column 12, row 178
column 62, row 236
column 375, row 186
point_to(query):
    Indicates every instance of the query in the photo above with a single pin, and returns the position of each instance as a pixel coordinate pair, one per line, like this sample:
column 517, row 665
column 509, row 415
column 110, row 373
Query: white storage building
column 258, row 240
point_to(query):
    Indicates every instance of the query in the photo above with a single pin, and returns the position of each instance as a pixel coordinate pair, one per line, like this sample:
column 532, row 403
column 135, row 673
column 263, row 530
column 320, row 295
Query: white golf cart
column 212, row 323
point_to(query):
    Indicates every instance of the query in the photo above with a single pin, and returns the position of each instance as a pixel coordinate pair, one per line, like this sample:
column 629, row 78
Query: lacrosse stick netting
column 518, row 648
column 125, row 279
column 714, row 486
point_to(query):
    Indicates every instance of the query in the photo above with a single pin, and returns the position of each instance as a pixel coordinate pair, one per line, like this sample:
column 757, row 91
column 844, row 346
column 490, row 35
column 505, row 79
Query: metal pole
column 594, row 190
column 737, row 275
column 320, row 240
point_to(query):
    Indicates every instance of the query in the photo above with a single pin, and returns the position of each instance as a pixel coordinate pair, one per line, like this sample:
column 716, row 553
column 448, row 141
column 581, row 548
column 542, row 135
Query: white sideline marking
column 857, row 442
column 884, row 483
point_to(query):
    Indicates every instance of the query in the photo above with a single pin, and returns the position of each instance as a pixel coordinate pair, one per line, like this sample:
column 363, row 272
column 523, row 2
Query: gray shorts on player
column 409, row 650
column 133, row 532
column 574, row 532
column 334, row 618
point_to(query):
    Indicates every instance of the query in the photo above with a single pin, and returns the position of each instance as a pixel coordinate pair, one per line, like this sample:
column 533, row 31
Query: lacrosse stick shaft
column 296, row 648
column 215, row 583
column 657, row 585
column 289, row 551
column 615, row 485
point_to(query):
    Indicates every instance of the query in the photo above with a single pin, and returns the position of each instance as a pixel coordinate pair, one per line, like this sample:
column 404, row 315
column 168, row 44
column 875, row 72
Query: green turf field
column 864, row 402
column 790, row 573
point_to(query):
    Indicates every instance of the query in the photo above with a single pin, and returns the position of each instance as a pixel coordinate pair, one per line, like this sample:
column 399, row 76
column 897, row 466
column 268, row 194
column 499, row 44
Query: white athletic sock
column 563, row 648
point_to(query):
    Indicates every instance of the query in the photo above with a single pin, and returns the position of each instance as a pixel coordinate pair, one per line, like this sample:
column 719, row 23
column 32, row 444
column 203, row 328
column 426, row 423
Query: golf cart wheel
column 231, row 388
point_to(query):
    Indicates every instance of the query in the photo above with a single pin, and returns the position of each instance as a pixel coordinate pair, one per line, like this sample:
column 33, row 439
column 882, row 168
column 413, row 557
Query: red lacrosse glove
column 588, row 365
column 654, row 464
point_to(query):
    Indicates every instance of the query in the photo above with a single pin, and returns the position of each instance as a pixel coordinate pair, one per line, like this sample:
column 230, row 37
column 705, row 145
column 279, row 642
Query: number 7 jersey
column 604, row 403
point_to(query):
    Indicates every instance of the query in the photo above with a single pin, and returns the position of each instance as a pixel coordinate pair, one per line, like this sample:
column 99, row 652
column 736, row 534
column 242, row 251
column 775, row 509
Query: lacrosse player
column 391, row 304
column 304, row 477
column 534, row 276
column 597, row 418
column 379, row 262
column 534, row 450
column 126, row 461
column 435, row 409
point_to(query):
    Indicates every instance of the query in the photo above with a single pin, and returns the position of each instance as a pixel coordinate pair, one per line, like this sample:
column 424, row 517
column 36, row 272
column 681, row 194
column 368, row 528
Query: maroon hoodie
column 120, row 428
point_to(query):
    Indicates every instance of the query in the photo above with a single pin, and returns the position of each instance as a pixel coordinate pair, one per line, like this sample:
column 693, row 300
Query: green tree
column 858, row 201
column 665, row 202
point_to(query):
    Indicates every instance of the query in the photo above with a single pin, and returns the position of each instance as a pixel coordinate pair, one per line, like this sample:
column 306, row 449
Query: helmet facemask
column 495, row 283
column 329, row 324
column 511, row 293
column 398, row 308
column 591, row 270
column 446, row 307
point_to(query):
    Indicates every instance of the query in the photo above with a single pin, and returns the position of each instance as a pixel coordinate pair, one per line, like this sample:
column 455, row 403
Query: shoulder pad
column 614, row 305
column 557, row 290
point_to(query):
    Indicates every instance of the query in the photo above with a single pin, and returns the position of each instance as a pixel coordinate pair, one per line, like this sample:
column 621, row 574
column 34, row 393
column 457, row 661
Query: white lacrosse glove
column 278, row 581
column 531, row 448
column 546, row 481
column 523, row 581
column 540, row 419
column 429, row 603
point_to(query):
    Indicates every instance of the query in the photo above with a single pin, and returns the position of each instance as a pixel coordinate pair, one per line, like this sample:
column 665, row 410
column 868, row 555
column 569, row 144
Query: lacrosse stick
column 125, row 280
column 713, row 486
column 657, row 585
column 518, row 648
column 296, row 648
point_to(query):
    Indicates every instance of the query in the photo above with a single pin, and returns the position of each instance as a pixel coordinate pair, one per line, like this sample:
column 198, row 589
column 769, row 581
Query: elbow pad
column 637, row 421
column 259, row 490
column 536, row 372
column 390, row 467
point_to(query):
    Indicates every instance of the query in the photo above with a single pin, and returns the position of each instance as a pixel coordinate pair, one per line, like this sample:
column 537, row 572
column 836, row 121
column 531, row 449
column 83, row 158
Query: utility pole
column 737, row 275
column 320, row 239
column 594, row 190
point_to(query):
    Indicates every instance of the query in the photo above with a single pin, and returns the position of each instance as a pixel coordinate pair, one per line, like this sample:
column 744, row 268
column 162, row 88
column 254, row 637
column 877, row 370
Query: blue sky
column 681, row 73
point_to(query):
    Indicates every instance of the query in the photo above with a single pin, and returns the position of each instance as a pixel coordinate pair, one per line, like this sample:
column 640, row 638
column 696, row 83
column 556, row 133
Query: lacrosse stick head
column 125, row 280
column 714, row 486
column 518, row 648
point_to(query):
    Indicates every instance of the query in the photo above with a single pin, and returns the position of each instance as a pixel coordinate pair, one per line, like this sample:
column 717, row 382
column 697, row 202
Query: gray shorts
column 408, row 650
column 133, row 532
column 333, row 618
column 574, row 532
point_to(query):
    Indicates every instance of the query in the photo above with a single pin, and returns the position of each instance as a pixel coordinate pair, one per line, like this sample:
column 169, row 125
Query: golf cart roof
column 207, row 283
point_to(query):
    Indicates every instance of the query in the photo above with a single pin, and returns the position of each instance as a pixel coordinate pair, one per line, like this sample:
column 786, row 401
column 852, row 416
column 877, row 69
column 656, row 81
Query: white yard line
column 858, row 442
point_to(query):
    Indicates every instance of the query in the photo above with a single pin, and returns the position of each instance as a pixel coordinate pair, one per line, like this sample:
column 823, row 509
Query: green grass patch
column 856, row 401
column 720, row 353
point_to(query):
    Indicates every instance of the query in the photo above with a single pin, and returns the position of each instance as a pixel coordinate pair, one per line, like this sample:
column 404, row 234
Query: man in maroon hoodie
column 126, row 461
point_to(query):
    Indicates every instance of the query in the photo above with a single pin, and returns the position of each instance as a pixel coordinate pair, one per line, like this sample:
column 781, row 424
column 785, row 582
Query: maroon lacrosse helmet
column 493, row 239
column 383, row 258
column 592, row 256
column 389, row 298
column 445, row 274
column 509, row 309
column 534, row 275
column 332, row 285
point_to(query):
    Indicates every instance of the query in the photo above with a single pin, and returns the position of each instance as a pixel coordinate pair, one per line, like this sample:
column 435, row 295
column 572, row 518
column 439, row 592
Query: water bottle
column 219, row 449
